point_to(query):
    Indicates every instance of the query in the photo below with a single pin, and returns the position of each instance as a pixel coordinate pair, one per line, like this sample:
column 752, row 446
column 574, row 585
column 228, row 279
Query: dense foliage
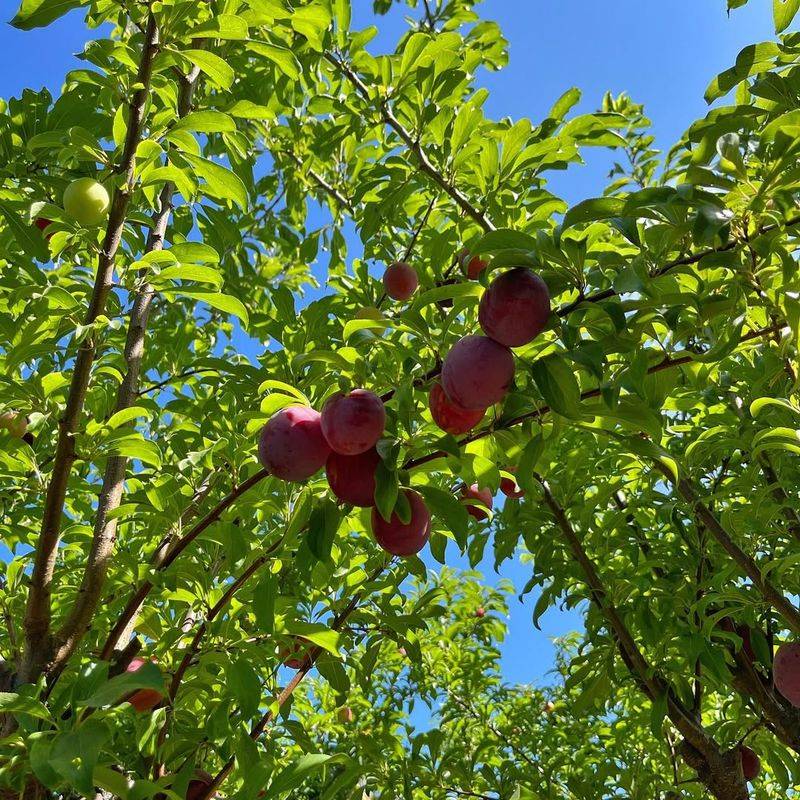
column 166, row 223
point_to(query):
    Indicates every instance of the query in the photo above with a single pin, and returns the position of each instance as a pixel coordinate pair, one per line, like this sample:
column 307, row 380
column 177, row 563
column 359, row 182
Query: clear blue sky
column 662, row 52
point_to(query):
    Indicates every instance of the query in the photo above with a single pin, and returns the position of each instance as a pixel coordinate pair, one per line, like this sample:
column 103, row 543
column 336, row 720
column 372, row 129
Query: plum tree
column 403, row 538
column 15, row 423
column 86, row 201
column 477, row 372
column 400, row 280
column 751, row 763
column 483, row 498
column 143, row 700
column 353, row 422
column 514, row 309
column 352, row 478
column 292, row 446
column 786, row 672
column 449, row 416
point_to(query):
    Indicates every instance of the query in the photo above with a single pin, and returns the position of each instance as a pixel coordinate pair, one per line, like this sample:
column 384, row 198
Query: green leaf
column 783, row 12
column 204, row 122
column 11, row 703
column 592, row 210
column 317, row 634
column 244, row 685
column 28, row 237
column 147, row 676
column 216, row 69
column 504, row 239
column 386, row 490
column 556, row 381
column 221, row 183
column 223, row 26
column 137, row 447
column 39, row 13
column 293, row 775
column 222, row 302
column 282, row 57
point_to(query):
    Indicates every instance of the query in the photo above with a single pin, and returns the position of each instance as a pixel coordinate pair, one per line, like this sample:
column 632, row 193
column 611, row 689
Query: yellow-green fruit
column 14, row 423
column 86, row 201
column 369, row 312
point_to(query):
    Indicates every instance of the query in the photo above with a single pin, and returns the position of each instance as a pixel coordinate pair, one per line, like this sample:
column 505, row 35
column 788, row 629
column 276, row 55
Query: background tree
column 159, row 220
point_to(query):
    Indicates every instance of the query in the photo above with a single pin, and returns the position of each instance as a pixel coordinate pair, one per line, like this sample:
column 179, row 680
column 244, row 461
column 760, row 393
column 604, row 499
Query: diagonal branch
column 259, row 728
column 703, row 754
column 422, row 158
column 38, row 645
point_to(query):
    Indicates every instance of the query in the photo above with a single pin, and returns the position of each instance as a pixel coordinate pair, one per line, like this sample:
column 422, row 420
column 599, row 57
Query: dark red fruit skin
column 399, row 539
column 473, row 265
column 743, row 632
column 480, row 612
column 449, row 416
column 477, row 372
column 786, row 672
column 514, row 309
column 511, row 489
column 143, row 699
column 400, row 280
column 353, row 422
column 292, row 446
column 483, row 496
column 352, row 478
column 751, row 764
column 198, row 786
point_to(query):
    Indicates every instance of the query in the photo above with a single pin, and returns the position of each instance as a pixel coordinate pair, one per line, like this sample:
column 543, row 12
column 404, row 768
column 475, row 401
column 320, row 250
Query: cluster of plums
column 298, row 441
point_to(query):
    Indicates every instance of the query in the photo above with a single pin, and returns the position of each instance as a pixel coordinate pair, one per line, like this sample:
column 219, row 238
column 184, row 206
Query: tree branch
column 259, row 728
column 38, row 645
column 703, row 754
column 424, row 162
column 141, row 593
column 105, row 528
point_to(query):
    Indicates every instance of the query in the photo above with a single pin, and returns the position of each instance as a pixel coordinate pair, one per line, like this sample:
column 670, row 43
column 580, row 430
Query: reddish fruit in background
column 743, row 632
column 295, row 656
column 514, row 309
column 484, row 496
column 473, row 265
column 549, row 707
column 143, row 699
column 292, row 446
column 198, row 786
column 401, row 539
column 480, row 612
column 786, row 671
column 352, row 478
column 353, row 422
column 16, row 424
column 346, row 715
column 449, row 416
column 510, row 488
column 751, row 764
column 400, row 280
column 402, row 651
column 477, row 372
column 42, row 223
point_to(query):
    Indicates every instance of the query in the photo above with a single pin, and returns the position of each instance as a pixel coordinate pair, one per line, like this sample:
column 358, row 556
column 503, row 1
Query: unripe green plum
column 86, row 201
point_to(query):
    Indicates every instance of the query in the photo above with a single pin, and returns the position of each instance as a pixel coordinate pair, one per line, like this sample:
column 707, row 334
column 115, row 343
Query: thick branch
column 38, row 645
column 105, row 528
column 700, row 751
